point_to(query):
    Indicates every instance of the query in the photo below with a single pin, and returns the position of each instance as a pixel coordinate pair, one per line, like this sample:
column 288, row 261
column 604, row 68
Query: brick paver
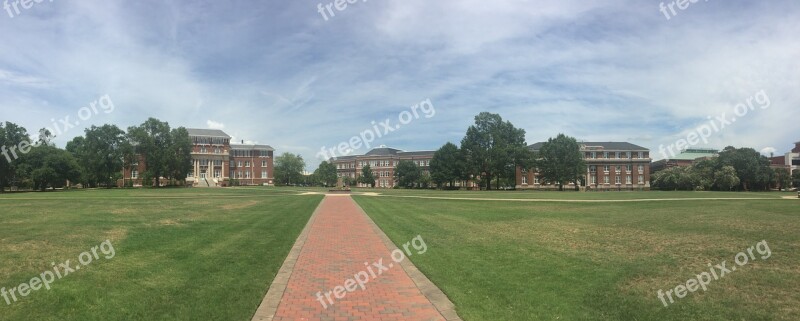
column 341, row 239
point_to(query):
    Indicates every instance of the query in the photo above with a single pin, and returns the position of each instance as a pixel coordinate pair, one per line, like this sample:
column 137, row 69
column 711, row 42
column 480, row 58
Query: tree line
column 488, row 155
column 97, row 158
column 492, row 149
column 735, row 169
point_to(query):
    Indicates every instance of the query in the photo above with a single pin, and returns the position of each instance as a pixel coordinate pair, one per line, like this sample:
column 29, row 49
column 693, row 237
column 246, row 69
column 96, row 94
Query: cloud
column 768, row 151
column 600, row 70
column 215, row 125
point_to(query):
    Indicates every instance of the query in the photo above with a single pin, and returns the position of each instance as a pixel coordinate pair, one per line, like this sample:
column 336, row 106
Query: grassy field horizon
column 187, row 254
column 500, row 260
column 181, row 254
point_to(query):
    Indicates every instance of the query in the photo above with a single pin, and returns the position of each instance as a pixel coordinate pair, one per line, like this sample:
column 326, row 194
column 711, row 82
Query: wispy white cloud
column 215, row 125
column 277, row 73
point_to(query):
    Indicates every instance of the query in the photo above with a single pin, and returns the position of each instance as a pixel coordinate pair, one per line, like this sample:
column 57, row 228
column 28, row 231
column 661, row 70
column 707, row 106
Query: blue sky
column 278, row 73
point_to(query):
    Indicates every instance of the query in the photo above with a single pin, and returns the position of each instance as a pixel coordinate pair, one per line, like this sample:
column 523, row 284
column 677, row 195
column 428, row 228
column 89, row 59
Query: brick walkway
column 340, row 239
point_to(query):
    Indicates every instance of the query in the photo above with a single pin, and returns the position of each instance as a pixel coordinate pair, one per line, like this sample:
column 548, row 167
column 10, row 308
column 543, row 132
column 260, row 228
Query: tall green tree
column 289, row 169
column 77, row 148
column 151, row 140
column 796, row 178
column 102, row 154
column 326, row 174
column 781, row 178
column 367, row 176
column 407, row 174
column 751, row 167
column 492, row 148
column 447, row 165
column 180, row 160
column 725, row 179
column 560, row 161
column 11, row 137
column 48, row 167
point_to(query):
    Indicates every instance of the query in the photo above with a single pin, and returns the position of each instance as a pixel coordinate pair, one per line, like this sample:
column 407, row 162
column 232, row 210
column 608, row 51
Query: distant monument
column 340, row 186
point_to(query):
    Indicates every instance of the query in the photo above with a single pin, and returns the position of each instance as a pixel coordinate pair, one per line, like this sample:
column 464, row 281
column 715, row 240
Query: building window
column 594, row 180
column 641, row 179
column 606, row 168
column 247, row 174
column 134, row 174
column 594, row 155
column 593, row 169
column 618, row 169
column 247, row 164
column 605, row 180
column 217, row 173
column 605, row 154
column 263, row 174
column 536, row 179
column 628, row 180
column 239, row 163
column 524, row 180
column 216, row 151
column 641, row 169
column 263, row 163
column 629, row 168
column 616, row 180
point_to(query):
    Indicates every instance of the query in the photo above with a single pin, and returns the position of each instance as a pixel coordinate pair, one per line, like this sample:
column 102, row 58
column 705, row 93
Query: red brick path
column 340, row 241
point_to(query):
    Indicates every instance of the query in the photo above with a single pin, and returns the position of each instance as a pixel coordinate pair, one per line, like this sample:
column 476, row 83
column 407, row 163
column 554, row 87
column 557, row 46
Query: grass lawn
column 500, row 260
column 569, row 195
column 180, row 254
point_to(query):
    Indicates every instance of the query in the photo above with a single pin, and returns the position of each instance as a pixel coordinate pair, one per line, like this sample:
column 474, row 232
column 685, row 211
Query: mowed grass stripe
column 500, row 260
column 208, row 258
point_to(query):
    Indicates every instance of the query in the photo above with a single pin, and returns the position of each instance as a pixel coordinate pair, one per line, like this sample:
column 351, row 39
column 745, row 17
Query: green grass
column 569, row 194
column 181, row 254
column 500, row 260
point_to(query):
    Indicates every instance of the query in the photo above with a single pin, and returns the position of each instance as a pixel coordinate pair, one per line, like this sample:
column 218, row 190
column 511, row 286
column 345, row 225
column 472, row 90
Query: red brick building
column 382, row 161
column 790, row 160
column 609, row 166
column 216, row 162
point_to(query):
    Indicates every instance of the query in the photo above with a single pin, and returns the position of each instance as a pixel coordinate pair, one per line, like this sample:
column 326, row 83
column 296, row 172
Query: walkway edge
column 435, row 295
column 269, row 306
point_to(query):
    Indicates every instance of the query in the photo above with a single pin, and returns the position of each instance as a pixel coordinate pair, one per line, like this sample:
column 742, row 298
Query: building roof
column 382, row 151
column 622, row 146
column 692, row 154
column 207, row 133
column 343, row 158
column 252, row 147
column 417, row 153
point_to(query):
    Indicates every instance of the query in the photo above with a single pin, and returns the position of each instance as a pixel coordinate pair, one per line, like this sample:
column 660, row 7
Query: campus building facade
column 790, row 160
column 609, row 166
column 218, row 163
column 382, row 160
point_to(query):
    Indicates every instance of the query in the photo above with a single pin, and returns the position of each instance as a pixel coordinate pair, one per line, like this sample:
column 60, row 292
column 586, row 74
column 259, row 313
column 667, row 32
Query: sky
column 291, row 75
